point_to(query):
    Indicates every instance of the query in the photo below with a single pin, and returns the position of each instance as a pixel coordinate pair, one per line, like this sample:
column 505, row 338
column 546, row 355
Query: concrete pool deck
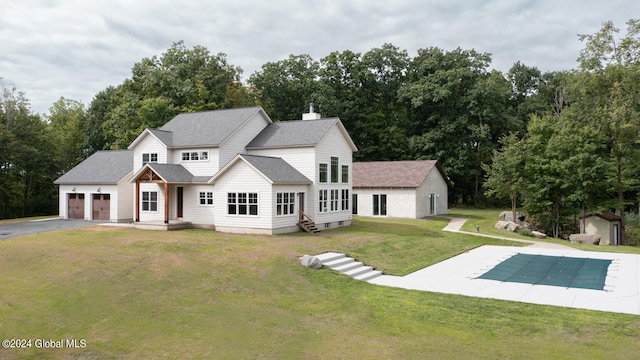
column 458, row 275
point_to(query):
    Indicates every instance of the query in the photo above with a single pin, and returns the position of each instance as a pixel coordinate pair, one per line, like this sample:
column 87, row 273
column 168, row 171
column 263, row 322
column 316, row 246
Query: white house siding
column 158, row 215
column 123, row 201
column 192, row 211
column 88, row 191
column 235, row 144
column 401, row 203
column 301, row 158
column 197, row 167
column 332, row 145
column 433, row 184
column 149, row 144
column 244, row 179
column 289, row 222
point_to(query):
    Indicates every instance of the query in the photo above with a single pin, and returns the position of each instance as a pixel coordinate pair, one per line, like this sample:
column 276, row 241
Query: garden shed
column 607, row 225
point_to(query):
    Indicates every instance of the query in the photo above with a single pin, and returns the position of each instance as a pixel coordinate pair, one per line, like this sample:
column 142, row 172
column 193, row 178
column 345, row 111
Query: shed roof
column 394, row 174
column 103, row 167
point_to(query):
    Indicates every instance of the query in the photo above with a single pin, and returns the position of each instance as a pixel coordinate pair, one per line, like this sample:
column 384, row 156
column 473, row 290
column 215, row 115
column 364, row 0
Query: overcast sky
column 76, row 48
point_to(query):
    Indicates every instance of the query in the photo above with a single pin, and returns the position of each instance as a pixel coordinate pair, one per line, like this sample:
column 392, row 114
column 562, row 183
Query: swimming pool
column 563, row 271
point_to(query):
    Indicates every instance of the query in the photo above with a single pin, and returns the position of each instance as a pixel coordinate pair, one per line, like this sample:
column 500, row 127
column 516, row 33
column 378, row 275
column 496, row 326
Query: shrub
column 632, row 234
column 524, row 231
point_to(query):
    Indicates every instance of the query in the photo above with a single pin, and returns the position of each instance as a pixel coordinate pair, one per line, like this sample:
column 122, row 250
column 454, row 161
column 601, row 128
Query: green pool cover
column 551, row 270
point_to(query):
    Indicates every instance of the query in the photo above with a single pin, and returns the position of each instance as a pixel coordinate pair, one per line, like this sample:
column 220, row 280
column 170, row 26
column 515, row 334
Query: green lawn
column 134, row 294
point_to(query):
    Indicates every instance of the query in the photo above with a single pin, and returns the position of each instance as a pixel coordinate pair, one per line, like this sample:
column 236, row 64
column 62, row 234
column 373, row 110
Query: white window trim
column 334, row 172
column 323, row 201
column 379, row 205
column 199, row 152
column 290, row 205
column 206, row 198
column 327, row 175
column 142, row 201
column 344, row 200
column 248, row 204
column 150, row 155
column 334, row 200
column 342, row 169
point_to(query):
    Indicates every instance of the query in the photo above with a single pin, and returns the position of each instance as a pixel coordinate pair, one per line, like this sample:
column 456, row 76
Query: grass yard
column 134, row 294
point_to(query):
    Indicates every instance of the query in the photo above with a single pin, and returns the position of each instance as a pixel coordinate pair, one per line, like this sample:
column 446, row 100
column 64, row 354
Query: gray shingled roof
column 276, row 169
column 393, row 174
column 205, row 128
column 103, row 167
column 172, row 173
column 292, row 133
column 165, row 136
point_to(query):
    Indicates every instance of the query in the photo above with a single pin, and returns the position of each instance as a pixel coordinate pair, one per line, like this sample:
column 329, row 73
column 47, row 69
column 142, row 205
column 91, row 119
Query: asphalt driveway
column 12, row 230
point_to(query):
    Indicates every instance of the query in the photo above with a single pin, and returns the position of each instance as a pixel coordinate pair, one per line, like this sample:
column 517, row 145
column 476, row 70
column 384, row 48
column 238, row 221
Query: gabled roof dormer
column 163, row 137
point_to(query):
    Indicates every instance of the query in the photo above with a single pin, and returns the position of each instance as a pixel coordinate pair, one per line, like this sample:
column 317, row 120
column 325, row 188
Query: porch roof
column 170, row 173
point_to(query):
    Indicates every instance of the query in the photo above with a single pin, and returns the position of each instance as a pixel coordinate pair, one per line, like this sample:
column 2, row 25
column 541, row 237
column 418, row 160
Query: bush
column 632, row 234
column 632, row 219
column 524, row 231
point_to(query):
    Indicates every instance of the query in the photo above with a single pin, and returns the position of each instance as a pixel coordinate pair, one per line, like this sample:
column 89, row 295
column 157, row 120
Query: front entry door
column 180, row 196
column 301, row 201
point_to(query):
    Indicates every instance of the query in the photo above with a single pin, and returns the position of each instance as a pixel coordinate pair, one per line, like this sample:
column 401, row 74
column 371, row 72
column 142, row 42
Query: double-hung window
column 242, row 204
column 334, row 199
column 322, row 201
column 149, row 201
column 285, row 203
column 206, row 198
column 149, row 158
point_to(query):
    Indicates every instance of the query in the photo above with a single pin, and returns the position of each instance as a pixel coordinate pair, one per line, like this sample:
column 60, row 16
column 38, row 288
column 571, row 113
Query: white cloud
column 75, row 48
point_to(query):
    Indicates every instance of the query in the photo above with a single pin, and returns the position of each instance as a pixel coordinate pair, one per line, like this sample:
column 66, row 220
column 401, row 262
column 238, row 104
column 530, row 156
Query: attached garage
column 98, row 188
column 75, row 206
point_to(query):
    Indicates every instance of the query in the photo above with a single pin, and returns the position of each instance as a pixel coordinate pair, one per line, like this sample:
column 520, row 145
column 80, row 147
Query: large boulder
column 538, row 234
column 507, row 225
column 508, row 216
column 311, row 262
column 592, row 239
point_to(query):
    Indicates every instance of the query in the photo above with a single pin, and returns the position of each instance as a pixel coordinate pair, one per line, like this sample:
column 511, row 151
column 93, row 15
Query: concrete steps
column 348, row 266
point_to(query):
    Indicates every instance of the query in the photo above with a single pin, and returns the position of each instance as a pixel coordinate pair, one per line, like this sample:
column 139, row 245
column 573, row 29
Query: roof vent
column 311, row 115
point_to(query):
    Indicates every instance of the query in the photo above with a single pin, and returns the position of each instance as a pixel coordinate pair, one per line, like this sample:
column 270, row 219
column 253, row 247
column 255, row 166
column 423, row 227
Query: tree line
column 439, row 104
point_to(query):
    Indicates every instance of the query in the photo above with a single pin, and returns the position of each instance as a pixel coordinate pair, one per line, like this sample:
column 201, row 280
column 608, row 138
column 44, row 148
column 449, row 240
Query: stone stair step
column 329, row 256
column 368, row 275
column 348, row 267
column 358, row 271
column 333, row 264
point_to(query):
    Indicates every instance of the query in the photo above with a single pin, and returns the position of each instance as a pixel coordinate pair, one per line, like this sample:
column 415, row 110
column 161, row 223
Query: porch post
column 137, row 200
column 166, row 203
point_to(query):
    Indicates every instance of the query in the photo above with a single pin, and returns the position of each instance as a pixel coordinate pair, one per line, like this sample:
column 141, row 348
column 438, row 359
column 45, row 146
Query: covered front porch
column 160, row 196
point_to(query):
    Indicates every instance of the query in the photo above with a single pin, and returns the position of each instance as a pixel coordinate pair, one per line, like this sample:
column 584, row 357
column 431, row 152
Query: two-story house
column 231, row 170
